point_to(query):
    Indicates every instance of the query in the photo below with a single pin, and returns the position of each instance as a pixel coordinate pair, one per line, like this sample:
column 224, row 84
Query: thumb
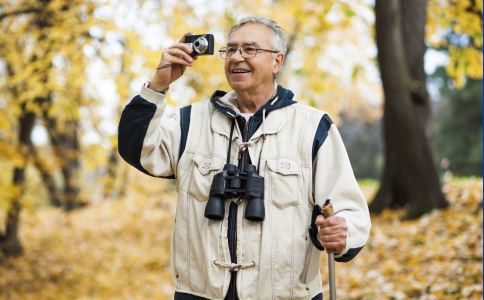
column 319, row 220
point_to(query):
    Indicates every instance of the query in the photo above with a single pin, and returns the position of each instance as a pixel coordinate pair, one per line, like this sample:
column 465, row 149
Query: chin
column 239, row 86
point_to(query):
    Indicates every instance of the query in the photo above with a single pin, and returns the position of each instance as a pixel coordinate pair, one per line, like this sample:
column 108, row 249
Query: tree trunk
column 109, row 187
column 64, row 138
column 122, row 190
column 413, row 19
column 46, row 175
column 409, row 176
column 9, row 241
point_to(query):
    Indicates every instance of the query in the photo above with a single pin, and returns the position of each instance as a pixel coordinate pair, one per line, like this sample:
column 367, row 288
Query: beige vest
column 276, row 257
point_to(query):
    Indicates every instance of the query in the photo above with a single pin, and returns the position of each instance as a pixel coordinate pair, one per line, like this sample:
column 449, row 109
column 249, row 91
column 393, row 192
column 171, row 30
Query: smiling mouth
column 240, row 71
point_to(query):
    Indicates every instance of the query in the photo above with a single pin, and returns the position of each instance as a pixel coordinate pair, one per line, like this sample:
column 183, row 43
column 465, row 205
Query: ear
column 277, row 62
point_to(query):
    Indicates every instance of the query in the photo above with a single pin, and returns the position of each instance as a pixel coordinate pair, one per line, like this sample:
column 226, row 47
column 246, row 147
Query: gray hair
column 279, row 42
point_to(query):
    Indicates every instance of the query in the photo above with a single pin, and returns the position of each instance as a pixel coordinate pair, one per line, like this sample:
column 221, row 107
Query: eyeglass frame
column 223, row 51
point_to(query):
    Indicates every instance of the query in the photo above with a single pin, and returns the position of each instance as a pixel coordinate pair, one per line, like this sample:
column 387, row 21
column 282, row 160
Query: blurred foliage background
column 78, row 223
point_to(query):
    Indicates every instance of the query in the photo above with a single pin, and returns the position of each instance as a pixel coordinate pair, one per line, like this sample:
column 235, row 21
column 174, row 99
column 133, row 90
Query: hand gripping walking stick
column 327, row 211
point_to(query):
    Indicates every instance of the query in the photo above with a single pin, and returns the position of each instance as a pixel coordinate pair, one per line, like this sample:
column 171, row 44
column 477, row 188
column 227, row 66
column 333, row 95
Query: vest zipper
column 232, row 239
column 232, row 223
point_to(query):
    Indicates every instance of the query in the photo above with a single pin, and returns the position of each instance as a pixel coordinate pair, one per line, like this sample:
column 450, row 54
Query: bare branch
column 20, row 11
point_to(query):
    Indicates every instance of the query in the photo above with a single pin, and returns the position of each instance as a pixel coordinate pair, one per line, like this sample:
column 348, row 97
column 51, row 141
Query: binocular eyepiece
column 232, row 183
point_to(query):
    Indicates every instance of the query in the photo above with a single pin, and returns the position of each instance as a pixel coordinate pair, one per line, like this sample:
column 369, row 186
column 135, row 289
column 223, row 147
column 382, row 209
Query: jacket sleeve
column 334, row 179
column 148, row 140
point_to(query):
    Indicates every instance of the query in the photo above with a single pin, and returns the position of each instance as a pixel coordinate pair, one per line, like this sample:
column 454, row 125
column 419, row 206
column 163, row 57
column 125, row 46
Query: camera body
column 232, row 183
column 202, row 44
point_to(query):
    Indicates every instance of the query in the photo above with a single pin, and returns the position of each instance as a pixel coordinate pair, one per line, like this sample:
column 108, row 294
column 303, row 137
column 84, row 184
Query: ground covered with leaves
column 438, row 256
column 121, row 250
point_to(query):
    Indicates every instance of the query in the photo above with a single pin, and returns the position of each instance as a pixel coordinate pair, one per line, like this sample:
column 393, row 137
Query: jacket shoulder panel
column 320, row 125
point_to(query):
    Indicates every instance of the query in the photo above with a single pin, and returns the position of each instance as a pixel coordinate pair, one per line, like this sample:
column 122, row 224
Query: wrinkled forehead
column 250, row 34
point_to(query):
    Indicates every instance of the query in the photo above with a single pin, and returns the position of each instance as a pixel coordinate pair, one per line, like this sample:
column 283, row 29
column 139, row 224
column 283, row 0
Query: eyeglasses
column 245, row 51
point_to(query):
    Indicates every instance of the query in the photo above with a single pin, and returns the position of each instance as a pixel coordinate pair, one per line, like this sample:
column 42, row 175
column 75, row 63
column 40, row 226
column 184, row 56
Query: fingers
column 173, row 63
column 334, row 244
column 331, row 221
column 333, row 237
column 181, row 51
column 335, row 247
column 332, row 232
column 178, row 53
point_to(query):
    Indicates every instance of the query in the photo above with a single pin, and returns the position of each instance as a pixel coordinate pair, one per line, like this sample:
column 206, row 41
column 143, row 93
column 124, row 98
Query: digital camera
column 202, row 44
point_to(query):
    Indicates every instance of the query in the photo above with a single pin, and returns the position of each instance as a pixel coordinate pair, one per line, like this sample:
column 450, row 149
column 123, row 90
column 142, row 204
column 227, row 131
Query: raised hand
column 173, row 63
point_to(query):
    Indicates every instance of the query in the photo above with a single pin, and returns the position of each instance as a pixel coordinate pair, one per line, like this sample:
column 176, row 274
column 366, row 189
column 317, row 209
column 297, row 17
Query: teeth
column 240, row 71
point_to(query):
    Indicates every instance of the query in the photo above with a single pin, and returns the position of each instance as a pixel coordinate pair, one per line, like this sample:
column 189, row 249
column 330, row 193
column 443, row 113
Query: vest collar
column 226, row 109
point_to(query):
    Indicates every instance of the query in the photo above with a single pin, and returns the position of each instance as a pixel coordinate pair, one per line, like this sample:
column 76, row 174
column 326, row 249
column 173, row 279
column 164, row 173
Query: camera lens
column 200, row 45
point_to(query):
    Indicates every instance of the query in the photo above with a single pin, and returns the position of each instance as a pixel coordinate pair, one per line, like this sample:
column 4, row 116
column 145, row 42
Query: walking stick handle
column 327, row 209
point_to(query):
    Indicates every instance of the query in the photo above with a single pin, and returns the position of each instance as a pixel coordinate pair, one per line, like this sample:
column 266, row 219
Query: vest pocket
column 204, row 168
column 284, row 182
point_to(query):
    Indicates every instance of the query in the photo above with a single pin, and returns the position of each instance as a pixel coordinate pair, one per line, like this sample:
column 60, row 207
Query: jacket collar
column 226, row 109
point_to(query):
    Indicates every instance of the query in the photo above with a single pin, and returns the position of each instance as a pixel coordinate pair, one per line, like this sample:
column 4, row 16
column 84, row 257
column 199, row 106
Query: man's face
column 252, row 74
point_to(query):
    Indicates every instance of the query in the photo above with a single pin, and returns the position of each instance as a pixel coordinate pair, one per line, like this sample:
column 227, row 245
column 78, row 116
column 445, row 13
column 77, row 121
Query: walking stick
column 327, row 211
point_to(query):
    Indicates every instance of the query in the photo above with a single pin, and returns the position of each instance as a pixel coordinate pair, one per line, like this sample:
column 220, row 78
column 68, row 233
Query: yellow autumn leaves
column 458, row 26
column 438, row 256
column 121, row 250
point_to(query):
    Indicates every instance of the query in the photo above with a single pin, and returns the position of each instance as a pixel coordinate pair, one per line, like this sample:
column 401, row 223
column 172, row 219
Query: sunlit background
column 77, row 222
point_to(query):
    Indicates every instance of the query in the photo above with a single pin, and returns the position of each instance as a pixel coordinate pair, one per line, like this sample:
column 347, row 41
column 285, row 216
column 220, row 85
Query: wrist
column 157, row 88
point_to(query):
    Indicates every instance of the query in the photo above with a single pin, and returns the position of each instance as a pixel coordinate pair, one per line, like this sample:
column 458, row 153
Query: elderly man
column 252, row 167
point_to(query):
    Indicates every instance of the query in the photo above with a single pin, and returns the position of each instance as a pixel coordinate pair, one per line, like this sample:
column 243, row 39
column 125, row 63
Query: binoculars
column 232, row 183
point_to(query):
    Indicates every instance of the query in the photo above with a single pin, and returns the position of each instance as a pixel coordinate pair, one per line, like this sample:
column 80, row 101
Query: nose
column 237, row 56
